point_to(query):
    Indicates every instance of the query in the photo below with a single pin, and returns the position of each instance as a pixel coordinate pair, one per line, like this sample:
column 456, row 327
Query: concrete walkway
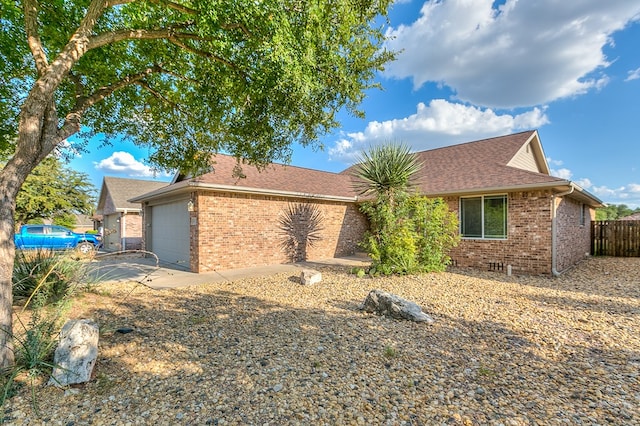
column 145, row 270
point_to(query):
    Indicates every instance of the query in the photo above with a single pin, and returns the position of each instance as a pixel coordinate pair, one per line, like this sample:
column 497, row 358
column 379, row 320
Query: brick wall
column 573, row 236
column 133, row 231
column 243, row 230
column 528, row 245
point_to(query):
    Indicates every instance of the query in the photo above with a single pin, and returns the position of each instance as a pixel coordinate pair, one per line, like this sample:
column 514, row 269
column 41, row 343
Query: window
column 483, row 217
column 583, row 214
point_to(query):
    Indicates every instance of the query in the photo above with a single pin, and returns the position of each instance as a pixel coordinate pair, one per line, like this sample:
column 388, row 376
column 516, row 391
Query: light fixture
column 191, row 206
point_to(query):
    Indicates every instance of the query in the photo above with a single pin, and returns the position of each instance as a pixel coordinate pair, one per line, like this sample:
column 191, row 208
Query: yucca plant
column 385, row 171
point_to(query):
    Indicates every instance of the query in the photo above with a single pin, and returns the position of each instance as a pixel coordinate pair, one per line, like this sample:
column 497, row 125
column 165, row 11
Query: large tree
column 187, row 78
column 53, row 191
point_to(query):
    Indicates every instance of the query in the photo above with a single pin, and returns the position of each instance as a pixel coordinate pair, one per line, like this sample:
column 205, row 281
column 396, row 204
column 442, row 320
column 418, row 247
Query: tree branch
column 242, row 27
column 121, row 35
column 204, row 53
column 175, row 6
column 160, row 96
column 72, row 120
column 33, row 38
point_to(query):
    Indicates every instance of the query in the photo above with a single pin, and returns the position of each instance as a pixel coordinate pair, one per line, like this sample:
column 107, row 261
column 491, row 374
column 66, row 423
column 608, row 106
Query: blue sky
column 472, row 69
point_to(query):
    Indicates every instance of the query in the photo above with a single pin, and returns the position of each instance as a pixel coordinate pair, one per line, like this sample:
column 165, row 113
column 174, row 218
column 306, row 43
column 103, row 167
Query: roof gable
column 503, row 162
column 530, row 156
column 116, row 193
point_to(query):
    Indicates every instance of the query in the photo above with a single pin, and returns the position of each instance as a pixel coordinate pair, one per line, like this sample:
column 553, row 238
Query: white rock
column 310, row 277
column 76, row 353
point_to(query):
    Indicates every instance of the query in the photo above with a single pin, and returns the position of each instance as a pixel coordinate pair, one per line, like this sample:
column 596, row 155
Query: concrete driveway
column 108, row 267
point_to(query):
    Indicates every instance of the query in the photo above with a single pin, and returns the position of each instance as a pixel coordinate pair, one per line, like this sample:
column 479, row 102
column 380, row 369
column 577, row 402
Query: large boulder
column 76, row 353
column 391, row 305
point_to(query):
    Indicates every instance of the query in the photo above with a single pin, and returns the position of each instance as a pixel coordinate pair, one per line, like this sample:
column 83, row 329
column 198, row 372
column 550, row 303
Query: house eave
column 191, row 185
column 556, row 187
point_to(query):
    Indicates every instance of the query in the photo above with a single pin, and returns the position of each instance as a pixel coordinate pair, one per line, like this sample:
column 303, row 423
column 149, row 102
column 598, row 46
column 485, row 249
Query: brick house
column 219, row 221
column 513, row 214
column 122, row 219
column 511, row 211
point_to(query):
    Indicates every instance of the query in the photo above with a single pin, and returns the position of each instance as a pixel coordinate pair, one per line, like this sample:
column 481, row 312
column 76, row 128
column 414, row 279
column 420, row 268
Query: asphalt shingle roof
column 278, row 177
column 472, row 166
column 477, row 165
column 121, row 190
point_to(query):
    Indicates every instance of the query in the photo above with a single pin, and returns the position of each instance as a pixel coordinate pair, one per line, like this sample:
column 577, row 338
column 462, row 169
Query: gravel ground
column 503, row 350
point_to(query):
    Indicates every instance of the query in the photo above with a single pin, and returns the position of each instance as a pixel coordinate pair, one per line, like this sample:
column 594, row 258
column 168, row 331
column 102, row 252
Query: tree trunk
column 36, row 140
column 7, row 255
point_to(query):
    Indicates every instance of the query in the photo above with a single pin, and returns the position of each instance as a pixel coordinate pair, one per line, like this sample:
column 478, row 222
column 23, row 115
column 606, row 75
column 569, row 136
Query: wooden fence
column 619, row 238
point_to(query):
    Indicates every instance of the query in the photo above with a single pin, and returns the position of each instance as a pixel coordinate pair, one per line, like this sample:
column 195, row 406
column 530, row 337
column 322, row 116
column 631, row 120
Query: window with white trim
column 483, row 217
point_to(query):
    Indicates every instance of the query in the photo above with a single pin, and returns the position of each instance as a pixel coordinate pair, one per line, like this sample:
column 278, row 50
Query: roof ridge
column 280, row 164
column 475, row 141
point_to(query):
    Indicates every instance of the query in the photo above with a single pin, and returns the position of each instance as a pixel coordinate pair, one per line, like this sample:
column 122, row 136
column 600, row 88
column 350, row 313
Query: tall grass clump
column 53, row 274
column 43, row 283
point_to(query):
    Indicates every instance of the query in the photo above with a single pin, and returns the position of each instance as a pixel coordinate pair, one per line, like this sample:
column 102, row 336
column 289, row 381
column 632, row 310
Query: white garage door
column 170, row 233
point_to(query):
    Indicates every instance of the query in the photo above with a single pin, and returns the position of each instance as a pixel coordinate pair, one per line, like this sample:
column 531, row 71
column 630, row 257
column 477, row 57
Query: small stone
column 278, row 387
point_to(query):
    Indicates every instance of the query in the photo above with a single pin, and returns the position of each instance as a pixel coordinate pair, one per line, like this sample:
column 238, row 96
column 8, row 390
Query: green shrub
column 414, row 236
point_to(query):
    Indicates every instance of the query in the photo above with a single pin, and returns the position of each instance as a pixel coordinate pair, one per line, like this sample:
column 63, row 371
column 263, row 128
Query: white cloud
column 633, row 75
column 628, row 194
column 522, row 54
column 441, row 123
column 121, row 162
column 584, row 183
column 553, row 162
column 561, row 173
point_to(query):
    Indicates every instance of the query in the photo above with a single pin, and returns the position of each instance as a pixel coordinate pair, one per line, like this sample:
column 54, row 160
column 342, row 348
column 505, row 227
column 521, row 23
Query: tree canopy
column 192, row 78
column 186, row 78
column 53, row 191
column 614, row 211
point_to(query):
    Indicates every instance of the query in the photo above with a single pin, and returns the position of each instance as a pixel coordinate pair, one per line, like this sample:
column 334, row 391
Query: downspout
column 123, row 230
column 554, row 226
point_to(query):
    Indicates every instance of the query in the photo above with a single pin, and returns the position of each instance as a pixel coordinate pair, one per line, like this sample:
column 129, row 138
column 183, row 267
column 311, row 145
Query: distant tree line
column 615, row 211
column 54, row 192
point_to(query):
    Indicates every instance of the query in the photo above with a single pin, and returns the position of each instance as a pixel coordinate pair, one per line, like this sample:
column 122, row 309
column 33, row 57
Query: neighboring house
column 84, row 223
column 634, row 216
column 513, row 214
column 121, row 219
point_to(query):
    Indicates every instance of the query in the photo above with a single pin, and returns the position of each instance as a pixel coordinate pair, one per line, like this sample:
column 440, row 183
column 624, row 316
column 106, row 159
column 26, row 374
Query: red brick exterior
column 573, row 221
column 528, row 246
column 236, row 230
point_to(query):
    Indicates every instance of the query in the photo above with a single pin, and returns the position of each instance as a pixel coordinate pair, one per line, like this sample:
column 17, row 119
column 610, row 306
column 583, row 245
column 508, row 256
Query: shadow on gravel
column 212, row 354
column 228, row 356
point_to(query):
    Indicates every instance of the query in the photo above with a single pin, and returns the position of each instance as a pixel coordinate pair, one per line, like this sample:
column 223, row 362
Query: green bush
column 414, row 236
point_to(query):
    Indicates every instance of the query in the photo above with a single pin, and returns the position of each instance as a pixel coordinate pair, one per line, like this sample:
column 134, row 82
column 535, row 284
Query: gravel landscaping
column 502, row 350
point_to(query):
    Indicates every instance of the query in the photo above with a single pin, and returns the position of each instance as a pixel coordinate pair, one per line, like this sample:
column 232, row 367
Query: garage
column 169, row 231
